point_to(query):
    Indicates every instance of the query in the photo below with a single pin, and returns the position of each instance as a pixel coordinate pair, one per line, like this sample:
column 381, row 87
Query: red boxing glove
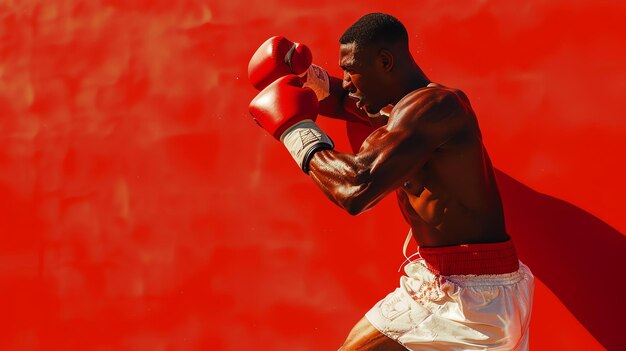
column 283, row 104
column 275, row 58
column 288, row 111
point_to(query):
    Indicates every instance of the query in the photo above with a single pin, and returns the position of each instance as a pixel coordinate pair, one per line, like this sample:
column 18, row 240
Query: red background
column 142, row 209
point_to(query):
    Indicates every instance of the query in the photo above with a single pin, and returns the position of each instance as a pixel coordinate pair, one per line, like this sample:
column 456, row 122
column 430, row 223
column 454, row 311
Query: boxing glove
column 275, row 58
column 279, row 56
column 287, row 111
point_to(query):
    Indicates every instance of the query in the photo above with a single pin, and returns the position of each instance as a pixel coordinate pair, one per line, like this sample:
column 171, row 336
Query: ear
column 386, row 59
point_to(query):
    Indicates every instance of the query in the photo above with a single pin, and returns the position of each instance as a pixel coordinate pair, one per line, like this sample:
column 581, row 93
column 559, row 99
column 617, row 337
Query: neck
column 411, row 78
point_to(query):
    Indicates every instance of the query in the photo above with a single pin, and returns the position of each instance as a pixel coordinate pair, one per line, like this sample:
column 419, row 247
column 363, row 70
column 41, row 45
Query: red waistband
column 478, row 259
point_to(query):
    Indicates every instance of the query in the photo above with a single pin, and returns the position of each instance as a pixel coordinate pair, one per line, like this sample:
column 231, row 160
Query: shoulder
column 432, row 103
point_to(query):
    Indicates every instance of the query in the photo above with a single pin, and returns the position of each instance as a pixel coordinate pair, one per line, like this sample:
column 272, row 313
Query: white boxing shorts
column 467, row 297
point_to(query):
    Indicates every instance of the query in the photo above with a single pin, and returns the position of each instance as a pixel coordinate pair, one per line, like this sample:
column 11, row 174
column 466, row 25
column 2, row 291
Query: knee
column 349, row 344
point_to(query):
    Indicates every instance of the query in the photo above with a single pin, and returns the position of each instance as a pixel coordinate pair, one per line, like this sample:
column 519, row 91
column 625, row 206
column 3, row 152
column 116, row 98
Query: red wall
column 142, row 209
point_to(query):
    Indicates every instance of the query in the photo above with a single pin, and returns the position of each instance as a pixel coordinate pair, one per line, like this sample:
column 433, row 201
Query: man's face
column 362, row 77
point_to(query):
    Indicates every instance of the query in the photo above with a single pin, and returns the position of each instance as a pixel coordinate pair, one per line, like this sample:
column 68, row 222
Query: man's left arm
column 392, row 154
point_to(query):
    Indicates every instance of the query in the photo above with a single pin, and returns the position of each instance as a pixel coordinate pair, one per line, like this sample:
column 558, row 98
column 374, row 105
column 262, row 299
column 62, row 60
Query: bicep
column 391, row 157
column 416, row 129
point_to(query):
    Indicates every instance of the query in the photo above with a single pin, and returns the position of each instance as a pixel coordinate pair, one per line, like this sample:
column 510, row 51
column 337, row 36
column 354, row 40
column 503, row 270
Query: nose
column 347, row 83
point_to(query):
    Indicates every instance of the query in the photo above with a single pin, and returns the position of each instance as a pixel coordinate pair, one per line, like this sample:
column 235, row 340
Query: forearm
column 358, row 182
column 343, row 178
column 335, row 101
column 339, row 105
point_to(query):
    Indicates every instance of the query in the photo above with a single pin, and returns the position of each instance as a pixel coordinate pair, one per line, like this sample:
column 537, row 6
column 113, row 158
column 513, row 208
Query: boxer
column 465, row 288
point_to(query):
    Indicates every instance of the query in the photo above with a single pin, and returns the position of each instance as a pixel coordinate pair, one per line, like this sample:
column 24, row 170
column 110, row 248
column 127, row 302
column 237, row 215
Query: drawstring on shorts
column 405, row 247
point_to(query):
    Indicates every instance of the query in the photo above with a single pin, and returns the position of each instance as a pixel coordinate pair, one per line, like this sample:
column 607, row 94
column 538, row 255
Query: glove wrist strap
column 317, row 80
column 303, row 140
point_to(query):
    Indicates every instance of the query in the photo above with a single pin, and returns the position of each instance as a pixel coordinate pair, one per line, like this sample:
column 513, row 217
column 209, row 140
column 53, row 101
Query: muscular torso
column 451, row 198
column 454, row 198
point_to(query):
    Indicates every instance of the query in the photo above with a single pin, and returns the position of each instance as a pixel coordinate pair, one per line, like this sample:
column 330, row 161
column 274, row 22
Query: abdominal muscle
column 440, row 218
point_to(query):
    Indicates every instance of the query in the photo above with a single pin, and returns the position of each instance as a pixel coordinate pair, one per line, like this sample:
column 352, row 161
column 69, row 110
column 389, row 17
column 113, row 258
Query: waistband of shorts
column 471, row 259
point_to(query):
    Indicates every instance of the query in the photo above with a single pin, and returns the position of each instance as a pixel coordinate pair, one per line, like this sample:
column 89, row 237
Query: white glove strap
column 303, row 140
column 317, row 80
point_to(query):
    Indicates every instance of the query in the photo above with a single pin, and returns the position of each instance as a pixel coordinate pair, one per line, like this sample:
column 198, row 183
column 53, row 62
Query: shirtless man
column 466, row 289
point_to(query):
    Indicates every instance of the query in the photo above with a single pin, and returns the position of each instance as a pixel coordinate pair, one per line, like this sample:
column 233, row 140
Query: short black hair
column 375, row 27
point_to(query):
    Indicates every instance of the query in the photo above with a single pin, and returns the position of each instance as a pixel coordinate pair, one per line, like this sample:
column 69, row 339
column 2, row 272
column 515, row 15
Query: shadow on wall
column 579, row 257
